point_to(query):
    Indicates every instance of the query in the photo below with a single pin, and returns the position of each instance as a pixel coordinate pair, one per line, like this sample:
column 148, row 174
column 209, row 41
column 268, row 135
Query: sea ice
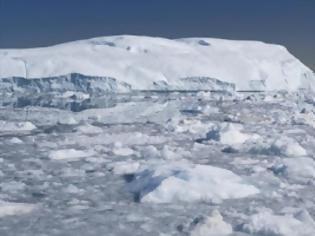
column 267, row 223
column 89, row 129
column 124, row 167
column 14, row 208
column 70, row 154
column 10, row 126
column 301, row 169
column 120, row 150
column 290, row 147
column 184, row 182
column 15, row 140
column 278, row 146
column 213, row 225
column 231, row 135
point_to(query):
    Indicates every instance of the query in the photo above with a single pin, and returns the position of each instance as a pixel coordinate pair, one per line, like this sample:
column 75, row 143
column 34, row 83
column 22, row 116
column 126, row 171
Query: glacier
column 151, row 63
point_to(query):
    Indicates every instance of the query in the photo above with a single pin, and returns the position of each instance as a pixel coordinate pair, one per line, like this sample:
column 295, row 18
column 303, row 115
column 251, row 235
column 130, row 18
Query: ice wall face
column 148, row 63
column 103, row 85
column 72, row 82
column 196, row 84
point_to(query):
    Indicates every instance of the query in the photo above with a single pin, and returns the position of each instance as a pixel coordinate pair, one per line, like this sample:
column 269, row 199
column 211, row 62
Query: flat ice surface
column 158, row 163
column 158, row 63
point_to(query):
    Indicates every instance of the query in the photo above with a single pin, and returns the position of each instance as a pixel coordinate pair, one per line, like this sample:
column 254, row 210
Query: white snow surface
column 142, row 61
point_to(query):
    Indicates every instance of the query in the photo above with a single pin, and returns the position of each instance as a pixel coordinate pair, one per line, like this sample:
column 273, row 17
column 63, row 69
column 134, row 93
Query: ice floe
column 120, row 150
column 183, row 182
column 232, row 134
column 14, row 208
column 125, row 167
column 15, row 140
column 213, row 225
column 70, row 154
column 301, row 169
column 89, row 129
column 267, row 223
column 10, row 126
column 282, row 145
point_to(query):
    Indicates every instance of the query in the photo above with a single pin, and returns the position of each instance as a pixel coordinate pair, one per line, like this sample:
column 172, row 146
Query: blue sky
column 32, row 23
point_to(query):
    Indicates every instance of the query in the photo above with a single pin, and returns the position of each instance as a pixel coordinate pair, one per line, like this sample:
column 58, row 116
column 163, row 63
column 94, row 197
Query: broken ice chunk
column 184, row 182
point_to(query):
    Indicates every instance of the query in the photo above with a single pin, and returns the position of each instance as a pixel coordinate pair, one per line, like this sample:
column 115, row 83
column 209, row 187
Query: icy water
column 139, row 164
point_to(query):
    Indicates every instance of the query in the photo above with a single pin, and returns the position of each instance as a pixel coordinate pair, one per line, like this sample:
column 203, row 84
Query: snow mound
column 13, row 208
column 267, row 223
column 167, row 183
column 149, row 63
column 213, row 225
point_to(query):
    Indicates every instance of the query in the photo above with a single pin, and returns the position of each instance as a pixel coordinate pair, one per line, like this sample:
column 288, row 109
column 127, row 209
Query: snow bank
column 267, row 223
column 159, row 63
column 13, row 208
column 183, row 182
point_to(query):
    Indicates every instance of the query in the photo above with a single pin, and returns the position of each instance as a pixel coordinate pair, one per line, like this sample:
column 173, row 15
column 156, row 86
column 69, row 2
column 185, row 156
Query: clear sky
column 33, row 23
